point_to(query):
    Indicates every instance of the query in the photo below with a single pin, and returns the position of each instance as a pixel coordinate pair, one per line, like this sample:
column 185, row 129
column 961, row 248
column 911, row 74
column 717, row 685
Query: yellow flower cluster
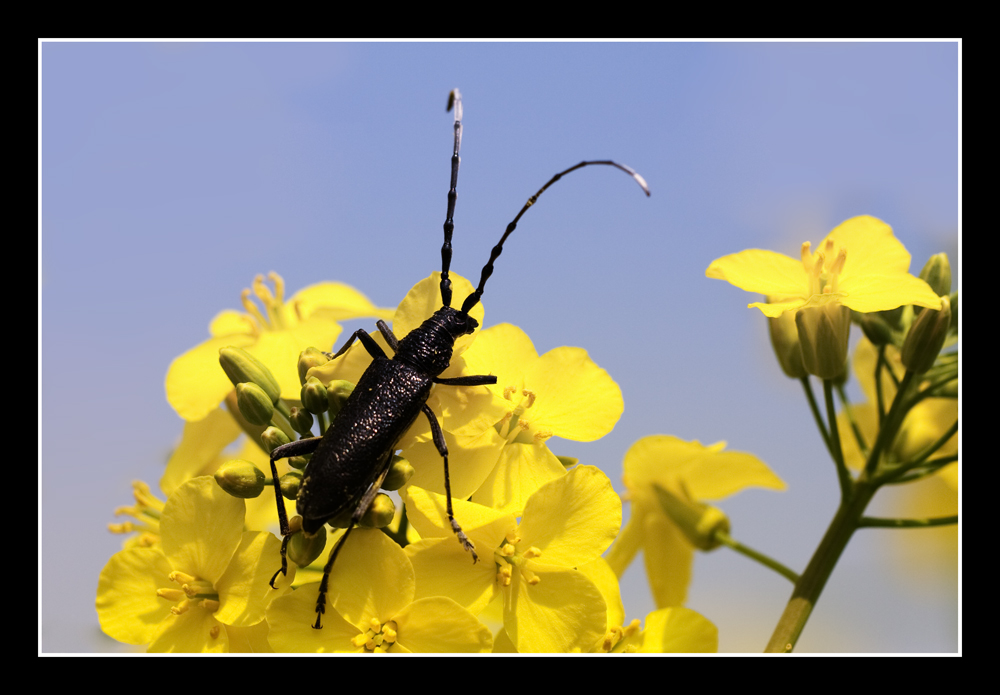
column 539, row 529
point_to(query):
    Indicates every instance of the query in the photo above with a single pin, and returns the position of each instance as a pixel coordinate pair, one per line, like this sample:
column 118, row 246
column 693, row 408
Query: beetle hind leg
column 438, row 437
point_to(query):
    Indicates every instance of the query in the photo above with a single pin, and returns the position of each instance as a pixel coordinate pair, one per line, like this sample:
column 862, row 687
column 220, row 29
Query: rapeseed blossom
column 549, row 605
column 859, row 266
column 195, row 385
column 371, row 607
column 688, row 470
column 202, row 588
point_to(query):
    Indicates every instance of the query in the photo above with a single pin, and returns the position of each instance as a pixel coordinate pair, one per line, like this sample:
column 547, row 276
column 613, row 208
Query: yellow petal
column 193, row 632
column 763, row 271
column 336, row 302
column 195, row 382
column 471, row 460
column 572, row 519
column 520, row 470
column 563, row 612
column 372, row 578
column 244, row 588
column 575, row 399
column 444, row 568
column 679, row 631
column 599, row 572
column 669, row 558
column 883, row 292
column 708, row 472
column 428, row 513
column 201, row 527
column 504, row 350
column 627, row 544
column 440, row 625
column 127, row 605
column 291, row 617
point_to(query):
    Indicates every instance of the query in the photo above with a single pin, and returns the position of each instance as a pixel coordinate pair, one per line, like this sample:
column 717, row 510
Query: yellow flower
column 203, row 588
column 675, row 630
column 371, row 608
column 860, row 264
column 689, row 470
column 562, row 393
column 549, row 604
column 195, row 382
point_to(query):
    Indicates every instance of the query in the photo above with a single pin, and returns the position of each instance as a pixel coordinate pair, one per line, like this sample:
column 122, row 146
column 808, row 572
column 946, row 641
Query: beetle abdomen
column 360, row 441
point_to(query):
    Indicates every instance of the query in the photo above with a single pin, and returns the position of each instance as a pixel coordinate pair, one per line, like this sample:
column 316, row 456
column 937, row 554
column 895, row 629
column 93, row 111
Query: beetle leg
column 355, row 518
column 370, row 345
column 442, row 448
column 476, row 380
column 389, row 336
column 299, row 448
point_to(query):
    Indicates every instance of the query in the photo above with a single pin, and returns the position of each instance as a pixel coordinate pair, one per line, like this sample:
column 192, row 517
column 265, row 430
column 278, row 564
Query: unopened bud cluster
column 258, row 396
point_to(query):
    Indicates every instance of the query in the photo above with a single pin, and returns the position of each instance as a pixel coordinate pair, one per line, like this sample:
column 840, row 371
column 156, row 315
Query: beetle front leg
column 438, row 436
column 299, row 448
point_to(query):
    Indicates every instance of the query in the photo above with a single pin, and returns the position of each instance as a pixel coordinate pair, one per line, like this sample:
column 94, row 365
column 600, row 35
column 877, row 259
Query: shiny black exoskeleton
column 350, row 461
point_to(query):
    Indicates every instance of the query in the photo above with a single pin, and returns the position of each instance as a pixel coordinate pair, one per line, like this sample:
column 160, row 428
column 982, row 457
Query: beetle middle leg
column 438, row 436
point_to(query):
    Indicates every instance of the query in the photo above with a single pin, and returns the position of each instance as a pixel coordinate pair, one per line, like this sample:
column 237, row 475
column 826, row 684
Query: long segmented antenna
column 454, row 100
column 474, row 298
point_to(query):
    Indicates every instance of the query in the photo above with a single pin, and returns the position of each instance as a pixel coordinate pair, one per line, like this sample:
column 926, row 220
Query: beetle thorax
column 428, row 348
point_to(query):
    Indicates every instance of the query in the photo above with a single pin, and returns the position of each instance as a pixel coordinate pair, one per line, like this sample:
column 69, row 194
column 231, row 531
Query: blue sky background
column 172, row 173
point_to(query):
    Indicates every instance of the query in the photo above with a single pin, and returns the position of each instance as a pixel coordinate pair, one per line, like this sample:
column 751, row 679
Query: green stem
column 890, row 425
column 877, row 522
column 817, row 416
column 895, row 474
column 731, row 542
column 879, row 396
column 810, row 585
column 843, row 475
column 849, row 411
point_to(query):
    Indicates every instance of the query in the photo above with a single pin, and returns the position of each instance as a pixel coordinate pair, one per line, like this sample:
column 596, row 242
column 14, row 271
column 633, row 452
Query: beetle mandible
column 350, row 461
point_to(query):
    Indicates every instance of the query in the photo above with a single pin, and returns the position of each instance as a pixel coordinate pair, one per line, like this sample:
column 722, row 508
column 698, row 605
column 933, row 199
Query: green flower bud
column 926, row 338
column 785, row 341
column 337, row 392
column 298, row 462
column 400, row 471
column 380, row 513
column 272, row 438
column 823, row 333
column 255, row 405
column 241, row 479
column 698, row 522
column 309, row 358
column 240, row 366
column 289, row 484
column 314, row 398
column 301, row 421
column 937, row 274
column 303, row 551
column 875, row 327
column 568, row 461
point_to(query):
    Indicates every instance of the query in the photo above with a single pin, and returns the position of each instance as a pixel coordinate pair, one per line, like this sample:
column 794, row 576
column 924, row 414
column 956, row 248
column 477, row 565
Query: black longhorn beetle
column 351, row 460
